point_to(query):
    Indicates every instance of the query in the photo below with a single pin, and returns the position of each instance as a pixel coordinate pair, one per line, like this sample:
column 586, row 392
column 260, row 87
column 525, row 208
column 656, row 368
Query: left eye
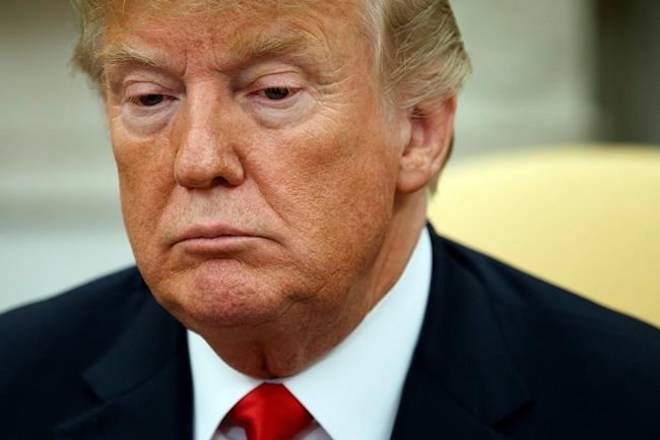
column 150, row 100
column 277, row 93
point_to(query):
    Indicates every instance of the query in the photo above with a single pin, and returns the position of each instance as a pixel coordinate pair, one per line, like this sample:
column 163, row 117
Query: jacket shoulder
column 67, row 330
column 590, row 368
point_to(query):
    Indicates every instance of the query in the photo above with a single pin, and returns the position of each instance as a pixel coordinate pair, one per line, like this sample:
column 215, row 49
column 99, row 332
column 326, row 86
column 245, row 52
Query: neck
column 306, row 332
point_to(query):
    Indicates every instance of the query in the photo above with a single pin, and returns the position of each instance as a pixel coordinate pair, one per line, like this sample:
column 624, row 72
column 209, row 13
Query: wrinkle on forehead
column 202, row 15
column 119, row 10
column 262, row 32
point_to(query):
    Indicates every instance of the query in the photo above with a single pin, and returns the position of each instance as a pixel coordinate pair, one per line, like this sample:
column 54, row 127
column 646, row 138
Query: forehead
column 240, row 28
column 123, row 7
column 120, row 14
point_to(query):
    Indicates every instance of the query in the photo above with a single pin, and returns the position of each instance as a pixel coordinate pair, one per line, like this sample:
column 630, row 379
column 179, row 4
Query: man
column 274, row 159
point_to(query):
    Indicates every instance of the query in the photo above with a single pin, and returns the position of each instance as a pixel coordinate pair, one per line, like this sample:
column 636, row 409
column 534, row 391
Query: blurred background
column 546, row 73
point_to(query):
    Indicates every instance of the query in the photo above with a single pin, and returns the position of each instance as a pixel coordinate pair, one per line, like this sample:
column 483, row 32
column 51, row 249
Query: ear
column 431, row 129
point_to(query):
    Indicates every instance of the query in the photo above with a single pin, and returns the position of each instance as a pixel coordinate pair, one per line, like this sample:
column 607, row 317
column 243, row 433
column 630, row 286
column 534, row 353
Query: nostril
column 221, row 181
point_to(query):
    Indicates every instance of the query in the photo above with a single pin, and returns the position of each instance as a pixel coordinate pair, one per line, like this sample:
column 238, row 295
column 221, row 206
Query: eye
column 277, row 93
column 150, row 100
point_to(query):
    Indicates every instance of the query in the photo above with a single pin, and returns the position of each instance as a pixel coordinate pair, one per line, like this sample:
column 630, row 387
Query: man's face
column 257, row 168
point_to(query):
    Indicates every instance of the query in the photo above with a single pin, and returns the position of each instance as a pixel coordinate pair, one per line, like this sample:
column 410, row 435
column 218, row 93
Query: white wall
column 59, row 217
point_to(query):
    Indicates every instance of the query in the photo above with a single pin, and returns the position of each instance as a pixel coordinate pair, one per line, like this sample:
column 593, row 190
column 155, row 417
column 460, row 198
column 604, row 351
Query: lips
column 212, row 232
column 215, row 239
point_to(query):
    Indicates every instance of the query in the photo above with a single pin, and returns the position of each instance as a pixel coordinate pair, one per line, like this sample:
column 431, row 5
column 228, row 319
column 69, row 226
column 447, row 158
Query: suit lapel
column 142, row 383
column 462, row 381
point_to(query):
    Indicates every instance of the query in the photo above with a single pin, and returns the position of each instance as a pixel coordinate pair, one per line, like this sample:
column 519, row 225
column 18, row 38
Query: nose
column 206, row 154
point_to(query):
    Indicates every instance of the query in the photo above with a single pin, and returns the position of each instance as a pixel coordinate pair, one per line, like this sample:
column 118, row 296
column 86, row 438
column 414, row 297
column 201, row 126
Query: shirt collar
column 360, row 379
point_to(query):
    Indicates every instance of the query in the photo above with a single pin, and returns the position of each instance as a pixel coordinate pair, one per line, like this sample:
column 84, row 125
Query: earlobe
column 431, row 129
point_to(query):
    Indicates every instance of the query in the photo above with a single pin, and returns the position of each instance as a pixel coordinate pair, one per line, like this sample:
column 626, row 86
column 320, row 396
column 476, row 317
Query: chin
column 206, row 297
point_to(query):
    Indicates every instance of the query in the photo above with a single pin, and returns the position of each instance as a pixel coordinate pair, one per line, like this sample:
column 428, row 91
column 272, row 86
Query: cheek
column 145, row 181
column 333, row 185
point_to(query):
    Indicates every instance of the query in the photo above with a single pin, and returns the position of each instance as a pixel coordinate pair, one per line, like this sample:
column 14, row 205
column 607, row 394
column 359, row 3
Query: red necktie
column 270, row 412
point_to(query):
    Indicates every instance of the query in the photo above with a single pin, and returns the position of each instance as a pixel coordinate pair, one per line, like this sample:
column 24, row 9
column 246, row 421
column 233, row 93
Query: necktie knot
column 270, row 412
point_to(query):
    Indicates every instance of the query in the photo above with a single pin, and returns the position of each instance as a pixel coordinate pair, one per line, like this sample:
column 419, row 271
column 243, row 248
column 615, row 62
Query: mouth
column 215, row 239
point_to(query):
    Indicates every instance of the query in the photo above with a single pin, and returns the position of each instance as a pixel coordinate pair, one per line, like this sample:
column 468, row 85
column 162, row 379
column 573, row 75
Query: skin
column 270, row 198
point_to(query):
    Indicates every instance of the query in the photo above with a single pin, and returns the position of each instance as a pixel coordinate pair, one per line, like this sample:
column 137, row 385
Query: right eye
column 148, row 100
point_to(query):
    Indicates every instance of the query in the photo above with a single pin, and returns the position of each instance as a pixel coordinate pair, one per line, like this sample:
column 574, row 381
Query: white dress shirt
column 353, row 391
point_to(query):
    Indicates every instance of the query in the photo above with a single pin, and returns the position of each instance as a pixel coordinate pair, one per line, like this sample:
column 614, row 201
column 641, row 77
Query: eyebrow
column 265, row 45
column 298, row 46
column 119, row 55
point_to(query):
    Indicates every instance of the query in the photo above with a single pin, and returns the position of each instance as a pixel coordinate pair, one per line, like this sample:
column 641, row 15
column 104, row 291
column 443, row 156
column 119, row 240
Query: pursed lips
column 214, row 238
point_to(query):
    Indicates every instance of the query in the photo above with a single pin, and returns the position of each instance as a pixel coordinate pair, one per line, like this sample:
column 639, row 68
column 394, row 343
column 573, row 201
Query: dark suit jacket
column 501, row 355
